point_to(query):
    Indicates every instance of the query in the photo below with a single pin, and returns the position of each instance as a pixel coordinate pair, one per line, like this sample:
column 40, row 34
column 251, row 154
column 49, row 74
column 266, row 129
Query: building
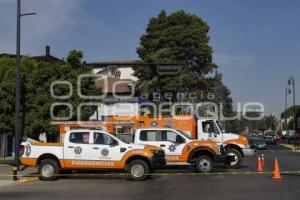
column 47, row 57
column 106, row 68
column 117, row 83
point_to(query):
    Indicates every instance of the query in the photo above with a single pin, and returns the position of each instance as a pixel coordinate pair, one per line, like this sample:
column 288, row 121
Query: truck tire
column 204, row 164
column 48, row 170
column 237, row 157
column 138, row 170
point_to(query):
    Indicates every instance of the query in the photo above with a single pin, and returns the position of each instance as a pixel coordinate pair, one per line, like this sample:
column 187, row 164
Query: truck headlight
column 221, row 149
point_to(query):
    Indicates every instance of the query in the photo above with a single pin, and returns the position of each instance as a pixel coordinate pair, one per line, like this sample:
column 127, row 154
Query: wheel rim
column 204, row 164
column 235, row 158
column 137, row 170
column 47, row 170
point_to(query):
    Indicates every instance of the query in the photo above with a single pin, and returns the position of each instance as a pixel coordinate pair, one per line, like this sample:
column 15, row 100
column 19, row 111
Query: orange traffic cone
column 276, row 170
column 262, row 160
column 259, row 167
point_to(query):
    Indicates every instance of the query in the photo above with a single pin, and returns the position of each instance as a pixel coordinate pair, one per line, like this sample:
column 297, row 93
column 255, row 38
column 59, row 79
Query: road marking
column 34, row 177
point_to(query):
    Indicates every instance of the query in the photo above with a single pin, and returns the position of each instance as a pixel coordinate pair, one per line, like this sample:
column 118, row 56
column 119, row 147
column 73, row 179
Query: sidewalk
column 6, row 175
column 291, row 147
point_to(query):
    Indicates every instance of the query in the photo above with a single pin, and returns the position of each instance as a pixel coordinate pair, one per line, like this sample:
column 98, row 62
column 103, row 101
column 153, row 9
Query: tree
column 75, row 58
column 267, row 123
column 179, row 38
column 7, row 95
column 36, row 98
column 289, row 113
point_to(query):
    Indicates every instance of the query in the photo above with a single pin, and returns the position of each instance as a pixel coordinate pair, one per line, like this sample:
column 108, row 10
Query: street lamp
column 291, row 81
column 287, row 91
column 18, row 87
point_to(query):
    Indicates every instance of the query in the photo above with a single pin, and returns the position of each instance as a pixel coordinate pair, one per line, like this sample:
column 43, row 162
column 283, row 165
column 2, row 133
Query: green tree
column 289, row 113
column 179, row 38
column 36, row 98
column 75, row 58
column 7, row 95
column 268, row 122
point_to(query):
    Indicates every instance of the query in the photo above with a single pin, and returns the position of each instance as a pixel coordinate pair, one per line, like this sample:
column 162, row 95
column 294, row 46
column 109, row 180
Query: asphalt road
column 171, row 185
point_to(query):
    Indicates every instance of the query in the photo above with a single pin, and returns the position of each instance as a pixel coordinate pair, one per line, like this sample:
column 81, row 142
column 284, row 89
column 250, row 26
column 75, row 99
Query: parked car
column 270, row 139
column 292, row 138
column 258, row 143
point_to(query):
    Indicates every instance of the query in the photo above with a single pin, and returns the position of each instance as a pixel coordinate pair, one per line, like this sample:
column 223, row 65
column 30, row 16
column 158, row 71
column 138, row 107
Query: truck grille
column 160, row 153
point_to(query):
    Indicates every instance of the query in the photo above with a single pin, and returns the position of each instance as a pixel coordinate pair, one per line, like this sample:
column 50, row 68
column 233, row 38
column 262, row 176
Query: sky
column 256, row 43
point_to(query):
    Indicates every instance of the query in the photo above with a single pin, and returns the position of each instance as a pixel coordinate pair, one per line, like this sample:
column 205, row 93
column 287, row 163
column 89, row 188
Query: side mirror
column 113, row 143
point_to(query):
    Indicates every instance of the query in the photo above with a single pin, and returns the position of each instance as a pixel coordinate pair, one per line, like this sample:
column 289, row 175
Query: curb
column 21, row 180
column 27, row 179
column 290, row 147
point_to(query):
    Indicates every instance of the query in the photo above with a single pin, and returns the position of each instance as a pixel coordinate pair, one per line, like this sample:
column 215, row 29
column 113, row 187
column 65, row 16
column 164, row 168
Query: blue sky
column 256, row 43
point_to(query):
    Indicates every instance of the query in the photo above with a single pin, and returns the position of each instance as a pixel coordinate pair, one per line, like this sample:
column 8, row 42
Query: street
column 174, row 183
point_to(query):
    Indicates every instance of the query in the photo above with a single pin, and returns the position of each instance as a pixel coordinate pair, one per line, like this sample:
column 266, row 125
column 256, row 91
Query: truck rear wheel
column 237, row 158
column 138, row 170
column 48, row 170
column 204, row 164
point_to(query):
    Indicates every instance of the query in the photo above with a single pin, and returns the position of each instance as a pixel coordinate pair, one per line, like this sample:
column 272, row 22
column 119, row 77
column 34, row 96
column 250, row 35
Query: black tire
column 138, row 170
column 54, row 168
column 237, row 156
column 204, row 164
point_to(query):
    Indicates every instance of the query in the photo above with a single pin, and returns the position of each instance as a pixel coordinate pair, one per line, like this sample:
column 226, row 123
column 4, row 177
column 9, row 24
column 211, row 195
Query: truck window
column 149, row 135
column 101, row 138
column 216, row 128
column 184, row 133
column 208, row 127
column 171, row 137
column 79, row 137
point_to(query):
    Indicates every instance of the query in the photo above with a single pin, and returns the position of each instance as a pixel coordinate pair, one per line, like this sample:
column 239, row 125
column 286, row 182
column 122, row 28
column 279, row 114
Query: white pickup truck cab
column 85, row 149
column 180, row 149
column 234, row 144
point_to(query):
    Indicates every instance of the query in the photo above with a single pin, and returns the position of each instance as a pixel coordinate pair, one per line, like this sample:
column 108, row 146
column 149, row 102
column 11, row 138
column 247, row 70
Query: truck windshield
column 221, row 126
column 184, row 134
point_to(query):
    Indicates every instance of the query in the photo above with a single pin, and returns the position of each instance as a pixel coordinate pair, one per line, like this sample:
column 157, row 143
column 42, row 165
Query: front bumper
column 158, row 160
column 249, row 152
column 225, row 159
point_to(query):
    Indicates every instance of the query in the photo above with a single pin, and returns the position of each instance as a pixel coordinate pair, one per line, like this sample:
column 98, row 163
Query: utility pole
column 18, row 127
column 291, row 81
column 286, row 122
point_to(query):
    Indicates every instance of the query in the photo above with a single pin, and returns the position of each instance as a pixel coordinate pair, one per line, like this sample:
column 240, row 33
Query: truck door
column 171, row 142
column 218, row 137
column 208, row 130
column 105, row 147
column 76, row 148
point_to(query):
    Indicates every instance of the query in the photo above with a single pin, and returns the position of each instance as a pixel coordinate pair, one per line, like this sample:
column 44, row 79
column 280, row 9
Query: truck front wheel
column 204, row 164
column 48, row 170
column 138, row 170
column 237, row 158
